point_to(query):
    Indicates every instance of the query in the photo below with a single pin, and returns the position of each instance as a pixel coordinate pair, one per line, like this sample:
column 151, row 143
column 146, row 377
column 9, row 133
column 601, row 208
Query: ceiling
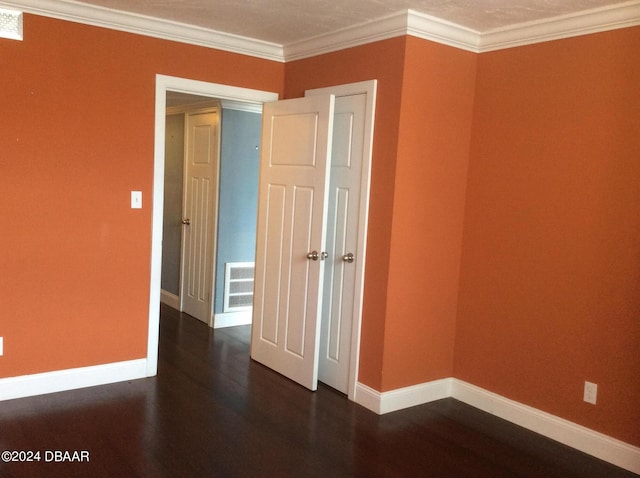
column 285, row 22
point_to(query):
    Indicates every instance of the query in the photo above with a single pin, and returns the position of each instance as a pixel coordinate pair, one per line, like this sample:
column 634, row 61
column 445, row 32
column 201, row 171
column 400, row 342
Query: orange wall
column 77, row 133
column 428, row 210
column 550, row 279
column 382, row 61
column 535, row 294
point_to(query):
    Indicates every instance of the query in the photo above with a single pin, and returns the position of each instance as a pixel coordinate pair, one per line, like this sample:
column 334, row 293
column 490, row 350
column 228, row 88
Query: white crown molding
column 148, row 26
column 596, row 20
column 381, row 29
column 407, row 22
column 437, row 30
column 431, row 28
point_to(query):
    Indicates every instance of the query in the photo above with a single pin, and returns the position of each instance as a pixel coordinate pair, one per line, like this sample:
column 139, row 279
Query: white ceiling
column 289, row 21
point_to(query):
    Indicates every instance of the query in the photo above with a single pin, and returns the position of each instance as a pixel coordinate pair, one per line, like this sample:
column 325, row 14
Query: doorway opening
column 212, row 159
column 367, row 91
column 192, row 88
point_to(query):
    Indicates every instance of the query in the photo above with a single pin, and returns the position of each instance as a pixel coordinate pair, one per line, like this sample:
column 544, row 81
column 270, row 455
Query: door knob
column 314, row 256
column 348, row 257
column 186, row 222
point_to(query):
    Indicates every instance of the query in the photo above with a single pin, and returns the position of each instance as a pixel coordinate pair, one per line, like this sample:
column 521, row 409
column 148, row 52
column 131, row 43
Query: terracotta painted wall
column 422, row 133
column 382, row 61
column 543, row 265
column 550, row 278
column 428, row 211
column 77, row 134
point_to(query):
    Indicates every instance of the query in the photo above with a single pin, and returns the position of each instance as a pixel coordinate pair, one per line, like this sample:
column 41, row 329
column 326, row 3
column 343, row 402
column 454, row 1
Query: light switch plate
column 1, row 346
column 136, row 199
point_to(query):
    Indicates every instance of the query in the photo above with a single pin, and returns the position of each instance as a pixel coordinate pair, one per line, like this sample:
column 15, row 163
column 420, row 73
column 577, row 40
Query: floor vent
column 238, row 286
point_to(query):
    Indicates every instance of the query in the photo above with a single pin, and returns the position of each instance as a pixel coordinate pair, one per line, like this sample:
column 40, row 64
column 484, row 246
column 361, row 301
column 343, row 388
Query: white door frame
column 181, row 85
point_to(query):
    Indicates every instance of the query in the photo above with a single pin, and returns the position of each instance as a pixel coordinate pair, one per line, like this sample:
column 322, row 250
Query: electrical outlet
column 590, row 392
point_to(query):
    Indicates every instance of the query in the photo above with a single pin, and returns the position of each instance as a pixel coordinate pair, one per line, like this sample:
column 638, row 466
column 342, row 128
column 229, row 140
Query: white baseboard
column 227, row 319
column 576, row 436
column 368, row 398
column 568, row 433
column 231, row 319
column 402, row 397
column 170, row 299
column 71, row 379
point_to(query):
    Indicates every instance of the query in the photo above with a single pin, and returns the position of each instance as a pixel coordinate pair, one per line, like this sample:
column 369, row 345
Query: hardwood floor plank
column 212, row 412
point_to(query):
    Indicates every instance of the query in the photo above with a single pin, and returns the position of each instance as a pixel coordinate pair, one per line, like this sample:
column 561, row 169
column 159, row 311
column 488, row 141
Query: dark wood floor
column 211, row 412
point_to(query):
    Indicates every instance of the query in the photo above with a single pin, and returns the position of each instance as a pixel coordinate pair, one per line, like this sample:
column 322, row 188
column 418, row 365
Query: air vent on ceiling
column 10, row 24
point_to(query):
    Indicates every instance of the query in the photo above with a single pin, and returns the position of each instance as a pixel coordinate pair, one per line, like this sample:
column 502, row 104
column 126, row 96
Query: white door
column 199, row 213
column 294, row 169
column 339, row 292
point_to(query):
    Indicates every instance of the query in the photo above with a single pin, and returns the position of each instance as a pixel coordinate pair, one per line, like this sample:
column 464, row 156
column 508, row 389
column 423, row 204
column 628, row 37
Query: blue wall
column 238, row 202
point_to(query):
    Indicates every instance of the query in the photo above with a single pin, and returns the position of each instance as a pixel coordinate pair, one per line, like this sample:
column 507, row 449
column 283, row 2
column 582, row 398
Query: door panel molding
column 296, row 147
